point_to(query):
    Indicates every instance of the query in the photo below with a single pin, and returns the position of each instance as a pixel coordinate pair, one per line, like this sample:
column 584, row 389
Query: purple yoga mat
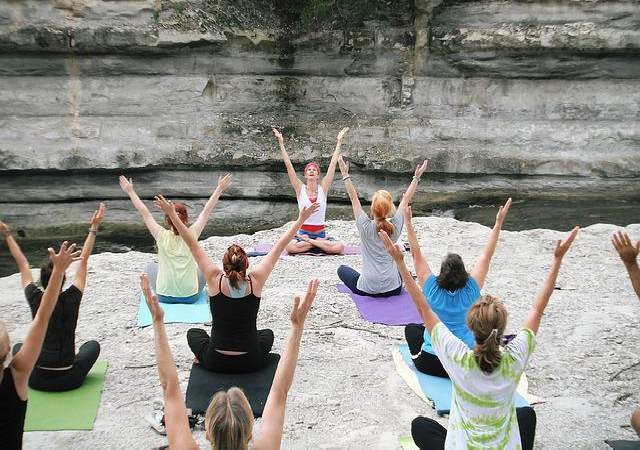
column 348, row 250
column 395, row 310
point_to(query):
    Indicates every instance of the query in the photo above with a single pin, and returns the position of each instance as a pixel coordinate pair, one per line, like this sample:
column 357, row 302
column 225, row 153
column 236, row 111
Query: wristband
column 94, row 232
column 416, row 177
column 346, row 178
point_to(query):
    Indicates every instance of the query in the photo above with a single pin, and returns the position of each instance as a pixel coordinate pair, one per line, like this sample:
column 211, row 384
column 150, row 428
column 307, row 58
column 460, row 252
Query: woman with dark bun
column 235, row 344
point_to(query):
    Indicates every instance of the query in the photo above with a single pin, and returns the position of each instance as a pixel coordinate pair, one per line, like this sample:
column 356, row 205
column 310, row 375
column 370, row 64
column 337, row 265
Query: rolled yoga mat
column 203, row 384
column 394, row 310
column 197, row 312
column 70, row 410
column 435, row 391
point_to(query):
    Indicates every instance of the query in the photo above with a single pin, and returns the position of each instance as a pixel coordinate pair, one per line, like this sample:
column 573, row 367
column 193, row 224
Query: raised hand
column 157, row 313
column 394, row 249
column 126, row 184
column 344, row 166
column 562, row 247
column 223, row 182
column 627, row 251
column 67, row 254
column 300, row 309
column 278, row 135
column 97, row 217
column 165, row 205
column 502, row 212
column 4, row 229
column 342, row 133
column 421, row 168
column 308, row 211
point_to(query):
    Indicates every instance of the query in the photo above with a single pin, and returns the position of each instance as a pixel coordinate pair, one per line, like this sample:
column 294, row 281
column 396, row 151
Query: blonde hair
column 487, row 318
column 5, row 343
column 229, row 420
column 381, row 209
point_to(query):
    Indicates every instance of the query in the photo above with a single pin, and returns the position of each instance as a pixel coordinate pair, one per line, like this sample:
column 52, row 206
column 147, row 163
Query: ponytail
column 234, row 264
column 487, row 318
column 381, row 209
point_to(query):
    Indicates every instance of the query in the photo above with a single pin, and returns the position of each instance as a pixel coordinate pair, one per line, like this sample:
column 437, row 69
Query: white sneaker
column 155, row 421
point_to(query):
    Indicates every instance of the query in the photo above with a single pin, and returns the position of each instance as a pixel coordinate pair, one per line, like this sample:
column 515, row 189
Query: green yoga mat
column 70, row 410
column 406, row 442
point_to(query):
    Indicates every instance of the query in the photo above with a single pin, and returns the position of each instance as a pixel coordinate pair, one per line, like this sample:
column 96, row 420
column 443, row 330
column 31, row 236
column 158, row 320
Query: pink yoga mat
column 394, row 310
column 348, row 250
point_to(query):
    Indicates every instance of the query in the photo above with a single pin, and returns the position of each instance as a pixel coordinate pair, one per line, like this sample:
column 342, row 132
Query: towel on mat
column 203, row 384
column 70, row 410
column 197, row 312
column 394, row 310
column 435, row 391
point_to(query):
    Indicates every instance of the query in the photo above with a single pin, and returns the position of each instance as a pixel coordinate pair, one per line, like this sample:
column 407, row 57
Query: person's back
column 177, row 269
column 12, row 412
column 483, row 412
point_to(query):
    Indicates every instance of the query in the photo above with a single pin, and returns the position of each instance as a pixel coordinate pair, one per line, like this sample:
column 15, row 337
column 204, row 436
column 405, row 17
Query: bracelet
column 416, row 177
column 94, row 232
column 346, row 178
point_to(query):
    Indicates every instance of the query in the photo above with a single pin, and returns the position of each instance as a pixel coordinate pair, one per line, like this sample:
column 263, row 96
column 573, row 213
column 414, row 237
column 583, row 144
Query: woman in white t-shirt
column 312, row 237
column 485, row 379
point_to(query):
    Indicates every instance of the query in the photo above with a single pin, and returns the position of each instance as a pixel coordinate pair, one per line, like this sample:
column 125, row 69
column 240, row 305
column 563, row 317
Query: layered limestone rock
column 499, row 88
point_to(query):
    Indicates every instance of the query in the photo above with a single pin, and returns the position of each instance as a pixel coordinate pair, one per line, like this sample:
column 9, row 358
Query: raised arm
column 273, row 417
column 127, row 186
column 203, row 218
column 628, row 253
column 23, row 362
column 532, row 321
column 80, row 280
column 481, row 267
column 205, row 264
column 264, row 268
column 348, row 185
column 18, row 256
column 175, row 411
column 328, row 178
column 419, row 262
column 293, row 178
column 408, row 195
column 429, row 318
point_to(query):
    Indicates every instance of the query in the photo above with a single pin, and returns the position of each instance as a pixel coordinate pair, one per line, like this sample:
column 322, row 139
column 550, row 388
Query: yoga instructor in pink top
column 312, row 236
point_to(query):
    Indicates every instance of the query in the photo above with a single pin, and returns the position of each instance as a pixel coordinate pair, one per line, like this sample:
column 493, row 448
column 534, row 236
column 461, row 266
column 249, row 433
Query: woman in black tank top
column 235, row 344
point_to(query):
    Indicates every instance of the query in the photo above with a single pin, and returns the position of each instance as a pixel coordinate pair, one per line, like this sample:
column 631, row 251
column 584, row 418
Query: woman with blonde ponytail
column 485, row 379
column 379, row 277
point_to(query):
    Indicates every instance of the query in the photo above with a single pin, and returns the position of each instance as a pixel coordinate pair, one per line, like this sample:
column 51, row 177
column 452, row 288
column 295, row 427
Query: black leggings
column 425, row 362
column 429, row 434
column 65, row 380
column 211, row 359
column 350, row 278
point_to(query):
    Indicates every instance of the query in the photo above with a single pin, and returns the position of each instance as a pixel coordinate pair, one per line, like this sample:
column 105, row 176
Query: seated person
column 175, row 277
column 229, row 419
column 312, row 235
column 235, row 344
column 379, row 277
column 59, row 368
column 450, row 294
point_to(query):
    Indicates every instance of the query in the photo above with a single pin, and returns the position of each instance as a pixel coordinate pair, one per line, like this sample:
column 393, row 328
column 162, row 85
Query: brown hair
column 487, row 318
column 234, row 264
column 453, row 275
column 5, row 343
column 381, row 209
column 229, row 420
column 183, row 215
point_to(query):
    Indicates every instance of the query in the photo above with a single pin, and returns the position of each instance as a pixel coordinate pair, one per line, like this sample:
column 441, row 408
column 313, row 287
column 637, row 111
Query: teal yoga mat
column 71, row 410
column 197, row 312
column 434, row 390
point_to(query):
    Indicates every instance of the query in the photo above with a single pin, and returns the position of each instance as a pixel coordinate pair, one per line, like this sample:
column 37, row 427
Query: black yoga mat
column 203, row 384
column 624, row 445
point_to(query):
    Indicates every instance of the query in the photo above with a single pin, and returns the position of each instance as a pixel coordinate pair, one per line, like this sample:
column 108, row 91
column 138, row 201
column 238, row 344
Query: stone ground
column 347, row 393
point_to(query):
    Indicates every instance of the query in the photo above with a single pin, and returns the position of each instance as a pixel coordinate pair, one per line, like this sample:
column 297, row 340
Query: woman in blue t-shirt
column 450, row 294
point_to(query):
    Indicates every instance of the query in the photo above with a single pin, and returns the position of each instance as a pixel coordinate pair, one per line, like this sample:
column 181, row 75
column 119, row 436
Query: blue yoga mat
column 437, row 390
column 197, row 312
